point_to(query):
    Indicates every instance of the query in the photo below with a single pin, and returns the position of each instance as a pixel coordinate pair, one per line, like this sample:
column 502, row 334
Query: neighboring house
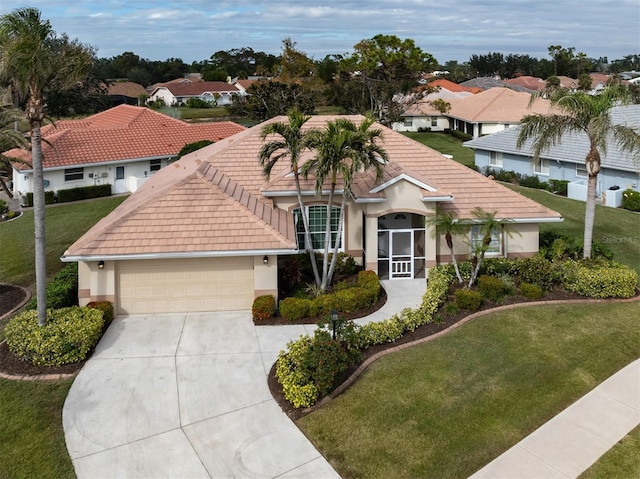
column 529, row 83
column 421, row 116
column 565, row 161
column 242, row 85
column 177, row 93
column 493, row 110
column 445, row 84
column 485, row 83
column 206, row 233
column 126, row 92
column 122, row 146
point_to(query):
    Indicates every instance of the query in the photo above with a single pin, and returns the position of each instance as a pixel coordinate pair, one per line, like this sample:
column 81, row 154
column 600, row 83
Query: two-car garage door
column 177, row 285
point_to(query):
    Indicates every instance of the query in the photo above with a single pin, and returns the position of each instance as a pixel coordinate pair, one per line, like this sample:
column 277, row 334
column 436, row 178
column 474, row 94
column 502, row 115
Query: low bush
column 107, row 311
column 539, row 270
column 263, row 307
column 534, row 182
column 468, row 299
column 62, row 290
column 461, row 135
column 631, row 200
column 70, row 333
column 531, row 291
column 559, row 187
column 294, row 309
column 491, row 288
column 83, row 193
column 596, row 279
column 198, row 103
column 499, row 266
column 3, row 207
column 49, row 198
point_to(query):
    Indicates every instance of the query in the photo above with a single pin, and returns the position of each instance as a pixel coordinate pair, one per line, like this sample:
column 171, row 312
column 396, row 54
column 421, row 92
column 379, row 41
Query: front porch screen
column 317, row 215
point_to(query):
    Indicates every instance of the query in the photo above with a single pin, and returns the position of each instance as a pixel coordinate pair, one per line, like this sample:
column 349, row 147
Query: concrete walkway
column 186, row 396
column 572, row 441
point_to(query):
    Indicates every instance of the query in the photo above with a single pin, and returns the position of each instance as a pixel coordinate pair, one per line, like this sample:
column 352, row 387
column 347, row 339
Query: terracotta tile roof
column 498, row 105
column 423, row 107
column 454, row 87
column 189, row 207
column 530, row 83
column 216, row 200
column 124, row 132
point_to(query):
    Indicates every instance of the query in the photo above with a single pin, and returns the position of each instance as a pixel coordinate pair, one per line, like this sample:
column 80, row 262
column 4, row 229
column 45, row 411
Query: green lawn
column 448, row 407
column 65, row 223
column 446, row 144
column 31, row 436
column 622, row 461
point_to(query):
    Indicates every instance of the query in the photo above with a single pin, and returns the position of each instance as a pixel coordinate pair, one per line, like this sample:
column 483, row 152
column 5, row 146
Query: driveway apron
column 185, row 396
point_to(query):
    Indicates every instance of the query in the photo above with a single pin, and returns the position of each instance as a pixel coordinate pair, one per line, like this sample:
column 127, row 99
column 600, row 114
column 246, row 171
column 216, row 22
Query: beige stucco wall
column 265, row 276
column 95, row 284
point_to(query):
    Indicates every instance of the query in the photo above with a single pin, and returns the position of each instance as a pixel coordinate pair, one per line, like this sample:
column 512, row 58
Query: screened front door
column 401, row 246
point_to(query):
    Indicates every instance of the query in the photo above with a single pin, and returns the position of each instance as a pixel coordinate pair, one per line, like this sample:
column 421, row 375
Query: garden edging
column 356, row 374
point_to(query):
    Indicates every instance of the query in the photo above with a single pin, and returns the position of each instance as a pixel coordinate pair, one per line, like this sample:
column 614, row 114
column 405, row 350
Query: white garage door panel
column 174, row 285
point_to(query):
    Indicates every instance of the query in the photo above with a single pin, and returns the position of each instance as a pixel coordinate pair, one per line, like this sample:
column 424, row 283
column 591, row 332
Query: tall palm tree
column 291, row 142
column 591, row 115
column 447, row 222
column 10, row 138
column 342, row 149
column 33, row 58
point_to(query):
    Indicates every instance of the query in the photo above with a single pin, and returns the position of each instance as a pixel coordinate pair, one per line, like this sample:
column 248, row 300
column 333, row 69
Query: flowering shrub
column 68, row 336
column 263, row 307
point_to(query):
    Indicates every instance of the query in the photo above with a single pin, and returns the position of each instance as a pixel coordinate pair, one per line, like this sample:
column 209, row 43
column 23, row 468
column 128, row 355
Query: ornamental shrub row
column 263, row 308
column 107, row 311
column 305, row 373
column 49, row 198
column 83, row 193
column 70, row 333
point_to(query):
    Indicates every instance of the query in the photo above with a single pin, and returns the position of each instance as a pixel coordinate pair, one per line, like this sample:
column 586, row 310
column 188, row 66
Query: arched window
column 317, row 215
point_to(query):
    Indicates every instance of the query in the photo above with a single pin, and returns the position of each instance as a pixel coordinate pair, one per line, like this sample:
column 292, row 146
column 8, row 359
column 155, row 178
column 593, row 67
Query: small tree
column 447, row 222
column 441, row 105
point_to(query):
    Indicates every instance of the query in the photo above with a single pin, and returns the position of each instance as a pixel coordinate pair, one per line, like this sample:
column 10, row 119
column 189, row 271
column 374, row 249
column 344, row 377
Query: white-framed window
column 155, row 165
column 581, row 170
column 495, row 158
column 476, row 237
column 541, row 166
column 434, row 121
column 317, row 215
column 74, row 174
column 408, row 121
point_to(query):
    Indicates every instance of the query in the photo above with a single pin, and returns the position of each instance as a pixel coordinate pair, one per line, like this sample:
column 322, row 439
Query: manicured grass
column 448, row 407
column 185, row 113
column 622, row 461
column 31, row 436
column 65, row 223
column 446, row 144
column 614, row 227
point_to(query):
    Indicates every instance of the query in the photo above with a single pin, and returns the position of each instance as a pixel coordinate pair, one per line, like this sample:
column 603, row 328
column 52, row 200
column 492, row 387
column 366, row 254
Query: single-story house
column 206, row 232
column 177, row 93
column 126, row 92
column 421, row 115
column 123, row 146
column 493, row 110
column 565, row 160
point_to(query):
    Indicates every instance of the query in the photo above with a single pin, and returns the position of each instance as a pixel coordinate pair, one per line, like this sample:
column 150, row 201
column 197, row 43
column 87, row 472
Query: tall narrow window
column 541, row 166
column 317, row 215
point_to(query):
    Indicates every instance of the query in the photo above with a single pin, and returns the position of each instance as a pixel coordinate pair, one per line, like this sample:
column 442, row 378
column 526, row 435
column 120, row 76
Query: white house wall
column 422, row 122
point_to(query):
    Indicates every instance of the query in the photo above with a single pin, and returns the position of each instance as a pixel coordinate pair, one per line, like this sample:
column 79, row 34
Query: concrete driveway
column 185, row 396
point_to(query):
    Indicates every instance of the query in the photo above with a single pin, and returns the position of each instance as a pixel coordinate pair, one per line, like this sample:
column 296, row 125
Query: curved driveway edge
column 185, row 396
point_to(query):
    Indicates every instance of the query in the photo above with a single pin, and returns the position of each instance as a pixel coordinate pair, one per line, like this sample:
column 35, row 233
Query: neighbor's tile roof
column 124, row 132
column 179, row 89
column 454, row 87
column 126, row 88
column 533, row 84
column 573, row 148
column 216, row 199
column 498, row 105
column 423, row 107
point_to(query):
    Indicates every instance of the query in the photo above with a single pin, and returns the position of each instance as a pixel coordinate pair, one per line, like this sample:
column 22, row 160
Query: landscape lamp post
column 334, row 321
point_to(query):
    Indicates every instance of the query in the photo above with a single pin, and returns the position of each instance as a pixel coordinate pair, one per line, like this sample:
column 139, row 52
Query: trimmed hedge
column 70, row 333
column 49, row 198
column 263, row 307
column 107, row 310
column 293, row 309
column 62, row 291
column 609, row 280
column 631, row 200
column 83, row 193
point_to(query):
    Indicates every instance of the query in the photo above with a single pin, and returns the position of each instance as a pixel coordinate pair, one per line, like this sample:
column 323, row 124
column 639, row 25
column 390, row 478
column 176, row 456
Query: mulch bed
column 10, row 297
column 14, row 366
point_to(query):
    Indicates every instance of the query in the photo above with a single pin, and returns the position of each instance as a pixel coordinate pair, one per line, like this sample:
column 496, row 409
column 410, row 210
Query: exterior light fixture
column 100, row 264
column 265, row 259
column 334, row 322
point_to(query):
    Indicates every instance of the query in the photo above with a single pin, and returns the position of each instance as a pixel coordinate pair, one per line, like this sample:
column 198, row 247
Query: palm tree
column 33, row 57
column 591, row 115
column 292, row 142
column 342, row 149
column 487, row 223
column 10, row 138
column 447, row 222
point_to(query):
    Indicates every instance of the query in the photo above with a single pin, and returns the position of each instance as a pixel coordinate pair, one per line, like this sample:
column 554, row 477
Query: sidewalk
column 572, row 441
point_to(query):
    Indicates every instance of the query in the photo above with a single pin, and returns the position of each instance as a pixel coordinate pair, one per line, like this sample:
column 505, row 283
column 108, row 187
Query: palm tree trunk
column 38, row 220
column 455, row 266
column 334, row 259
column 307, row 234
column 327, row 240
column 589, row 215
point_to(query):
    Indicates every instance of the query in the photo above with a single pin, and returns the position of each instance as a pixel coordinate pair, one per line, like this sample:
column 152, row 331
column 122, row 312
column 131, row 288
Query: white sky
column 448, row 29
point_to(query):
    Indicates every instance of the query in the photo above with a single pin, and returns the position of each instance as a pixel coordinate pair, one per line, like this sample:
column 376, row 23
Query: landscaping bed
column 10, row 297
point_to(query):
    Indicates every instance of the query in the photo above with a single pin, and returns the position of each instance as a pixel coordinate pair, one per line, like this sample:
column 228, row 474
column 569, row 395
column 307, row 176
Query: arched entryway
column 401, row 246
